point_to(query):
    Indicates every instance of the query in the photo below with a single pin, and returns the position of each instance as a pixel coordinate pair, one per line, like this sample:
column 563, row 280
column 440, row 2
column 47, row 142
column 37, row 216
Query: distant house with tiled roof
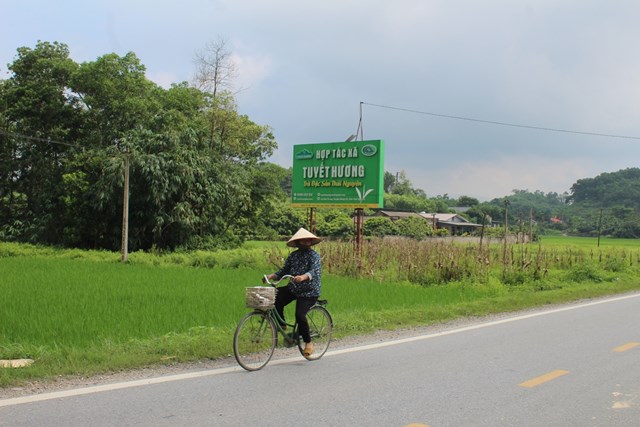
column 396, row 215
column 453, row 222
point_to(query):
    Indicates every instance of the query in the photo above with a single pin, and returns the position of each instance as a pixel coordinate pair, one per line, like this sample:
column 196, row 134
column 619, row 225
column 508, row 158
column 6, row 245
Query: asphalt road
column 577, row 365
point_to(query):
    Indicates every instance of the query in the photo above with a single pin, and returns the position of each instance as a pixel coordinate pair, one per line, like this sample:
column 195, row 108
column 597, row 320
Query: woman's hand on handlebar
column 300, row 278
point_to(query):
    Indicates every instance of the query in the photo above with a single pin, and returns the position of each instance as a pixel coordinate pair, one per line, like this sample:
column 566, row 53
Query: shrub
column 584, row 271
column 335, row 223
column 614, row 264
column 512, row 278
column 414, row 227
column 380, row 227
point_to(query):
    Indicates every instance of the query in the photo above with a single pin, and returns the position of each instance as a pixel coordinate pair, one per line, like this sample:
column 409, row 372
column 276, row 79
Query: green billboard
column 338, row 174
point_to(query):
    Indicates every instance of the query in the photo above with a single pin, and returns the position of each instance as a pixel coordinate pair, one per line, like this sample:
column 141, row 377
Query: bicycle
column 256, row 335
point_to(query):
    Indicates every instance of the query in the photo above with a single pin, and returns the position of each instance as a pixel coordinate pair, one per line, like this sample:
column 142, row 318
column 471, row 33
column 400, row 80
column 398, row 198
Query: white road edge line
column 478, row 326
column 220, row 371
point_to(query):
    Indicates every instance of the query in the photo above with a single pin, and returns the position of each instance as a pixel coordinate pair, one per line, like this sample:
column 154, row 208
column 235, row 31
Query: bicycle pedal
column 289, row 340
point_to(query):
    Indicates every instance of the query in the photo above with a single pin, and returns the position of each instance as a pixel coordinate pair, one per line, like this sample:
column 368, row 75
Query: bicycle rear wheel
column 320, row 328
column 254, row 341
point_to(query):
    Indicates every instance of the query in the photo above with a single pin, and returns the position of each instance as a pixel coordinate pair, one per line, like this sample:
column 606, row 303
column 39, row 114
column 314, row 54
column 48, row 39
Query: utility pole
column 531, row 225
column 506, row 233
column 599, row 226
column 125, row 211
column 484, row 221
column 358, row 222
column 358, row 217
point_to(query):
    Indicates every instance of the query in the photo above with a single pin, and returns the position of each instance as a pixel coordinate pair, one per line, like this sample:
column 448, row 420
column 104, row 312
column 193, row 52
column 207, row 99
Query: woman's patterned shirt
column 303, row 261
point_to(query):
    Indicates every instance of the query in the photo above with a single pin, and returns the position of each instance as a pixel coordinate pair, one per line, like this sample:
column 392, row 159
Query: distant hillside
column 620, row 188
column 607, row 205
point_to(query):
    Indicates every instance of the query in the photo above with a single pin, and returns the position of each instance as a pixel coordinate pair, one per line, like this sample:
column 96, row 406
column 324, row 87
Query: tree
column 37, row 109
column 408, row 202
column 467, row 201
column 181, row 107
column 525, row 205
column 335, row 222
column 116, row 98
column 215, row 73
column 286, row 220
column 185, row 191
column 484, row 212
column 215, row 69
column 415, row 227
column 239, row 139
column 119, row 108
column 389, row 181
column 402, row 185
column 266, row 197
column 609, row 189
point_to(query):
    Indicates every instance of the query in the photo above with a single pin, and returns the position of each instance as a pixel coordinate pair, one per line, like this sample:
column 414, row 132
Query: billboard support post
column 311, row 219
column 358, row 221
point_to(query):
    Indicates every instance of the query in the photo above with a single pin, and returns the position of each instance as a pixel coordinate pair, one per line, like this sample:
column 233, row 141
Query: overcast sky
column 305, row 67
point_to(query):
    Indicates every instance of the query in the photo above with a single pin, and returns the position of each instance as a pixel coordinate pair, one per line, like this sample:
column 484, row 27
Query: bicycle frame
column 288, row 338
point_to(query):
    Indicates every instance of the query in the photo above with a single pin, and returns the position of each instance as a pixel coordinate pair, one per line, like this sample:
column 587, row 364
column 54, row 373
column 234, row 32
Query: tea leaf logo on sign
column 304, row 155
column 361, row 196
column 369, row 150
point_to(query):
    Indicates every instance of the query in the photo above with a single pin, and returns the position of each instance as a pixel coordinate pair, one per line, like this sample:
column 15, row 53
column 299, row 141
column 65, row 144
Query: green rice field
column 590, row 242
column 82, row 312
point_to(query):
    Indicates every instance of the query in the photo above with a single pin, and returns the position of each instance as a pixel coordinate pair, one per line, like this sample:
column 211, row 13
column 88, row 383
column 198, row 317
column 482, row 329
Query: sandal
column 308, row 349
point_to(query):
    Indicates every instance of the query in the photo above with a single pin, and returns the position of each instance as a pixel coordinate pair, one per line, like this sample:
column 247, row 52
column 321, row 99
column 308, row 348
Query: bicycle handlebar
column 265, row 279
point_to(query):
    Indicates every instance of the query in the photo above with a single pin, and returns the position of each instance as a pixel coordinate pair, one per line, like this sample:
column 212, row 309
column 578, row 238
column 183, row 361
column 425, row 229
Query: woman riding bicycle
column 305, row 267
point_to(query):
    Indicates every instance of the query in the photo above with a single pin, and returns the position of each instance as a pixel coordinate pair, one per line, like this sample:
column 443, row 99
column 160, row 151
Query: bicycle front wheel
column 254, row 341
column 320, row 328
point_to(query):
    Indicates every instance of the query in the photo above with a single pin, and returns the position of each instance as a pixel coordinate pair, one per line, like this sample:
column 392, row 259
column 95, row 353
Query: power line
column 492, row 122
column 33, row 138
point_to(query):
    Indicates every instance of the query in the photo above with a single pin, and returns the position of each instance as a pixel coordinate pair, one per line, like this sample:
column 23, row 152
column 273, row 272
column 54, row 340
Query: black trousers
column 284, row 296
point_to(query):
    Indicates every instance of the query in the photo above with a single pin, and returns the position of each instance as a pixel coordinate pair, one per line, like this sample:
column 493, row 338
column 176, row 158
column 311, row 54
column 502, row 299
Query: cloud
column 253, row 69
column 163, row 79
column 487, row 180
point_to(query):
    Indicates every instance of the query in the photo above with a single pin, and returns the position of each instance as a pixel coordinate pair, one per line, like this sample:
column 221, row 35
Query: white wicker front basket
column 260, row 297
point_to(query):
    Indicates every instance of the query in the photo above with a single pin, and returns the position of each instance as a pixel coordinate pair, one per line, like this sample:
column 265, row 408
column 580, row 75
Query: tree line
column 198, row 170
column 605, row 205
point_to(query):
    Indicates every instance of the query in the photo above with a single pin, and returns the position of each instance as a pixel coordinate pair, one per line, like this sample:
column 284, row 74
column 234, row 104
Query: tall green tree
column 116, row 98
column 39, row 112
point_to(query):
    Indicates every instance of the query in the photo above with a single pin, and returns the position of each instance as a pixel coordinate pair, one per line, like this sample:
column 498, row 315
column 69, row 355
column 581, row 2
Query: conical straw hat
column 303, row 234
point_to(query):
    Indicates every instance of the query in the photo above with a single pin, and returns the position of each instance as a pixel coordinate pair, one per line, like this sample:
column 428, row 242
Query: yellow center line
column 626, row 347
column 543, row 378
